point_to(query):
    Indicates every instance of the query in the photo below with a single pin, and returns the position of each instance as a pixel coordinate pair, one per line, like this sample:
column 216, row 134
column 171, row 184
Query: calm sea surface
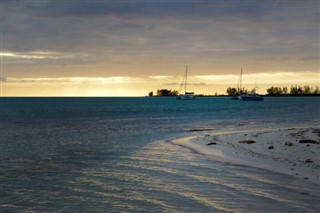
column 116, row 155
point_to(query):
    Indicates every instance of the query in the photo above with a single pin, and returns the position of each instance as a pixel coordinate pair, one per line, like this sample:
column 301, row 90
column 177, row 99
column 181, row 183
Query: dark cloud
column 3, row 79
column 162, row 31
column 146, row 8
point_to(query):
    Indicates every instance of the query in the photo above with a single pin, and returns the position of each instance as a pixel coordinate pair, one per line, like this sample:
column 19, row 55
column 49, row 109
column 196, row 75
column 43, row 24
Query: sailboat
column 236, row 95
column 187, row 95
column 251, row 96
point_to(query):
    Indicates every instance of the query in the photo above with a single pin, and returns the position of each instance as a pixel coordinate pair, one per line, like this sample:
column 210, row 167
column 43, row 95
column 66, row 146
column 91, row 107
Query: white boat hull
column 251, row 97
column 186, row 97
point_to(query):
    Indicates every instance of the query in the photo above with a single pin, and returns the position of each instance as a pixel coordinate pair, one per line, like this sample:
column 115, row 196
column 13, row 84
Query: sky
column 129, row 48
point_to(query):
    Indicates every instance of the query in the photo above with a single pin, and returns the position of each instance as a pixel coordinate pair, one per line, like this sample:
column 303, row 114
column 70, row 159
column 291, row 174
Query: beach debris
column 309, row 161
column 317, row 131
column 247, row 141
column 308, row 141
column 211, row 143
column 288, row 143
column 270, row 147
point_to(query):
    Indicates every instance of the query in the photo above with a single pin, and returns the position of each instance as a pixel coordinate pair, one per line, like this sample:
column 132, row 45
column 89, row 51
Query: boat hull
column 186, row 97
column 251, row 98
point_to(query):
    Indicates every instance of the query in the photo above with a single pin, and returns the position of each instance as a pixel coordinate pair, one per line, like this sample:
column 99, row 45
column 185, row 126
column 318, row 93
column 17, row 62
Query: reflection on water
column 102, row 158
column 159, row 177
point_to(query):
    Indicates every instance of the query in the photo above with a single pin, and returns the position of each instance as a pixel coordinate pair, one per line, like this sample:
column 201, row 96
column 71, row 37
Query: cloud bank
column 69, row 39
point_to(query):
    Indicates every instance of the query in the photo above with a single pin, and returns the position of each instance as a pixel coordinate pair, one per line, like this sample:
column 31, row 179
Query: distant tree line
column 272, row 91
column 294, row 90
column 278, row 91
column 165, row 92
column 235, row 92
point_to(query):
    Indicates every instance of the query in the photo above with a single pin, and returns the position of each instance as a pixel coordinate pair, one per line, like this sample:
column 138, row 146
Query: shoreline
column 291, row 151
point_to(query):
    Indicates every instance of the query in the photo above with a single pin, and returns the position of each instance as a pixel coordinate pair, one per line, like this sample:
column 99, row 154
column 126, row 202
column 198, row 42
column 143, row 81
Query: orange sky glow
column 121, row 48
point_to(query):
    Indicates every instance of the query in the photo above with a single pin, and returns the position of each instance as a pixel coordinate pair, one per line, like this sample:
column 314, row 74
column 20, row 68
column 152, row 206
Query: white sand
column 300, row 160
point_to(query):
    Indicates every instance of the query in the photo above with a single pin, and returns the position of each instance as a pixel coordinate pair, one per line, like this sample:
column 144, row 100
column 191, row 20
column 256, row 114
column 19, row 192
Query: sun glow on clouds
column 74, row 86
column 73, row 80
column 271, row 78
column 134, row 86
column 35, row 55
column 161, row 77
column 144, row 45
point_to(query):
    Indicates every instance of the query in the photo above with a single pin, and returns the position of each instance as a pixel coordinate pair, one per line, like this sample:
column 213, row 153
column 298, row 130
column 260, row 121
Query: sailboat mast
column 241, row 81
column 185, row 85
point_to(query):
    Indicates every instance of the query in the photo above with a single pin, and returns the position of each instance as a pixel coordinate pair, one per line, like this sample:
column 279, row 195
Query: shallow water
column 116, row 154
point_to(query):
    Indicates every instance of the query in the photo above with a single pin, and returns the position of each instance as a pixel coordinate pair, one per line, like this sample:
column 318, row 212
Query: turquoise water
column 115, row 154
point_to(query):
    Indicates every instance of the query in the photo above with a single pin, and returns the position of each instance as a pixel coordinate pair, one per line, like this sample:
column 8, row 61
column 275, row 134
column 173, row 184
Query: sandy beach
column 292, row 151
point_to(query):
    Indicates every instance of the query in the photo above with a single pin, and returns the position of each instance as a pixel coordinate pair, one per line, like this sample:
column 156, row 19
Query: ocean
column 117, row 155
